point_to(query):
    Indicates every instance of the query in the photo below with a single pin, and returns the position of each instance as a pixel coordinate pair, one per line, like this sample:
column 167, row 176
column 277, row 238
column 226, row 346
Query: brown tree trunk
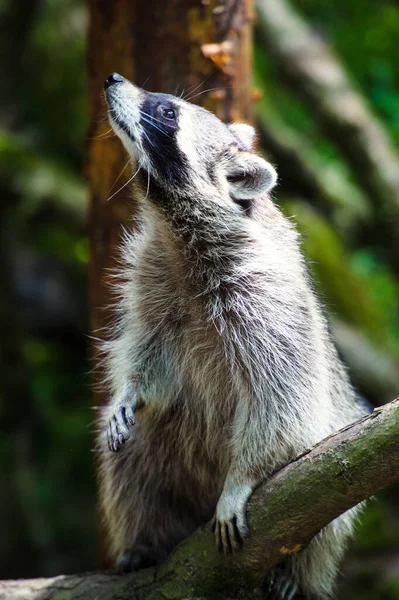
column 200, row 47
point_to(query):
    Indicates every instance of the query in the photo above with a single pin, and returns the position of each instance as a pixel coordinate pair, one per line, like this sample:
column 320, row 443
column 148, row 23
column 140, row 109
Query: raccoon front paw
column 119, row 426
column 230, row 521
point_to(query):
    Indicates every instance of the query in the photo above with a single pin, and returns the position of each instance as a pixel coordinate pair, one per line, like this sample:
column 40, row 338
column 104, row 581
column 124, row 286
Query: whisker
column 155, row 127
column 151, row 117
column 194, row 87
column 204, row 92
column 125, row 184
column 119, row 176
column 148, row 183
column 146, row 80
column 102, row 119
column 148, row 138
column 103, row 135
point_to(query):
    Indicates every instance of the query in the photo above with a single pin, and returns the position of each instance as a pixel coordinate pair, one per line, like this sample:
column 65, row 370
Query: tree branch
column 284, row 514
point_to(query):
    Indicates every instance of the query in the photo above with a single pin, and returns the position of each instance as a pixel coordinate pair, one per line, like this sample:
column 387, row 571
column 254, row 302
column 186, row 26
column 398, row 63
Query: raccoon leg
column 151, row 538
column 144, row 511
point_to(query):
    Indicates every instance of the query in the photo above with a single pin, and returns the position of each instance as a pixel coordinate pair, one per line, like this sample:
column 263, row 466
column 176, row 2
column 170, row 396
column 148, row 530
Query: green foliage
column 51, row 506
column 363, row 292
column 331, row 243
column 53, row 92
column 364, row 34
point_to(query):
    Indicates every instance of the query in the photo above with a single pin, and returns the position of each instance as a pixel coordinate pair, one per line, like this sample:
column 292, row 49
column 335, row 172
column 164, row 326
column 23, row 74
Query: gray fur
column 220, row 347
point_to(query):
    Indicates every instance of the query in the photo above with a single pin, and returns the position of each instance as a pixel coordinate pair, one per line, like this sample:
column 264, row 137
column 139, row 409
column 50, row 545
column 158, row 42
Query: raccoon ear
column 245, row 133
column 250, row 175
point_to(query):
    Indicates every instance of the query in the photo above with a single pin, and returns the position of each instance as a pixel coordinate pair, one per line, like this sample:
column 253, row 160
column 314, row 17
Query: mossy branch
column 284, row 514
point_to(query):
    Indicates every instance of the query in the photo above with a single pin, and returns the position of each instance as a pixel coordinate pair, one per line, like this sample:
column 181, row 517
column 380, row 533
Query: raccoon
column 220, row 367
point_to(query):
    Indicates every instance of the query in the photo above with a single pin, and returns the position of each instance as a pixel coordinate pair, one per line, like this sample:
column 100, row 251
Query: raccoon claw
column 230, row 524
column 279, row 585
column 119, row 427
column 229, row 538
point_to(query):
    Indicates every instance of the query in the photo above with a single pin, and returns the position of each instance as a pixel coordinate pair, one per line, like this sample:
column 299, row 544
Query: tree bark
column 284, row 514
column 308, row 66
column 198, row 47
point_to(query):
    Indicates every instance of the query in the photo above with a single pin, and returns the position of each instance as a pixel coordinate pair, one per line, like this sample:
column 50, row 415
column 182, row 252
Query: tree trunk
column 345, row 469
column 191, row 46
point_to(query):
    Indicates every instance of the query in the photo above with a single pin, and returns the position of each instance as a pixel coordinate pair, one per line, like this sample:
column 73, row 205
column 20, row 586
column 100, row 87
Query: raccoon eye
column 168, row 113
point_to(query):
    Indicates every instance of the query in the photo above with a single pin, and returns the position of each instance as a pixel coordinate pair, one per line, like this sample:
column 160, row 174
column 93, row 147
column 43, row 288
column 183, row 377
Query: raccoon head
column 186, row 149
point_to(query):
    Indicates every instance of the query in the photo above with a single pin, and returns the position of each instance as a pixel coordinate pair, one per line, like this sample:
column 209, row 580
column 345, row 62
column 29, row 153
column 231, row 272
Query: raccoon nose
column 113, row 78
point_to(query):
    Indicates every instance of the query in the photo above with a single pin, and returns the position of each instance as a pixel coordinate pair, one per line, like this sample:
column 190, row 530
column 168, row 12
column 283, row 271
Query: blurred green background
column 47, row 505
